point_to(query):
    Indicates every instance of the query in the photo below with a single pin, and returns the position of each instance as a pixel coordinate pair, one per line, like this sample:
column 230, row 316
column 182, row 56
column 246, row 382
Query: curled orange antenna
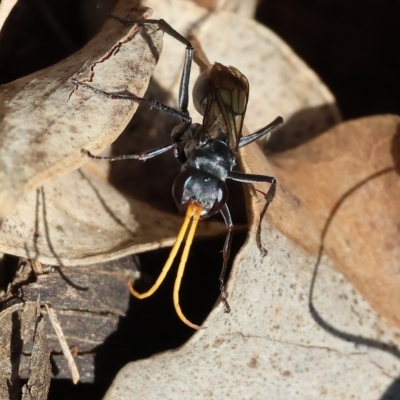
column 192, row 214
column 189, row 239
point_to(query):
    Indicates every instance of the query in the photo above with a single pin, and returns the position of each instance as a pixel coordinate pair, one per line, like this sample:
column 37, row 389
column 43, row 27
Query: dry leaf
column 80, row 219
column 281, row 340
column 291, row 334
column 298, row 329
column 67, row 221
column 45, row 123
column 245, row 8
column 343, row 190
column 6, row 7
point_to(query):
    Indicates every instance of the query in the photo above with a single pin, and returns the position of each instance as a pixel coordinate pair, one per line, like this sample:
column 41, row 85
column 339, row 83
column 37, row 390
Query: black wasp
column 208, row 152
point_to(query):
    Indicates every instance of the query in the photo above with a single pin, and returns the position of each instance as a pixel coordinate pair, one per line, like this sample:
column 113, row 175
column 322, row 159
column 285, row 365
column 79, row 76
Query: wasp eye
column 178, row 188
column 200, row 92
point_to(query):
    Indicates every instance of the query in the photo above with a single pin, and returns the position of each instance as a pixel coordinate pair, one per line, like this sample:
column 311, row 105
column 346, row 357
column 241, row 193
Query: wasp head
column 195, row 186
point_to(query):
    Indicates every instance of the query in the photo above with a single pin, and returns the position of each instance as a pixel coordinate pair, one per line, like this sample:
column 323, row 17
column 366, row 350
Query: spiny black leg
column 245, row 140
column 129, row 96
column 269, row 196
column 143, row 156
column 187, row 66
column 250, row 178
column 225, row 254
column 183, row 113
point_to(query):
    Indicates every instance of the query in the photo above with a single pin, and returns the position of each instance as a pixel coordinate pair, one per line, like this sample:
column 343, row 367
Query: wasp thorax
column 193, row 185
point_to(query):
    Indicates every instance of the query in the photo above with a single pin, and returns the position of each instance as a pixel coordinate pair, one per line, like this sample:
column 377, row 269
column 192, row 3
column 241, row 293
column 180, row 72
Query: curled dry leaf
column 298, row 328
column 6, row 7
column 45, row 122
column 80, row 219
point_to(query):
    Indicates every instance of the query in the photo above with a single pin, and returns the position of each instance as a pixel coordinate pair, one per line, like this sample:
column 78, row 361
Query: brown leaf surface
column 298, row 328
column 45, row 124
column 37, row 387
column 88, row 307
column 245, row 8
column 6, row 7
column 343, row 190
column 80, row 219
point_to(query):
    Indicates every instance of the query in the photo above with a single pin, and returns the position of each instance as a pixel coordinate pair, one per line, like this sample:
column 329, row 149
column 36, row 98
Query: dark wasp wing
column 228, row 94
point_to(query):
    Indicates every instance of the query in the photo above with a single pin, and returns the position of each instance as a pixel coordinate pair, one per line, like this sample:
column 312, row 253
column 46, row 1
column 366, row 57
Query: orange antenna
column 181, row 268
column 193, row 212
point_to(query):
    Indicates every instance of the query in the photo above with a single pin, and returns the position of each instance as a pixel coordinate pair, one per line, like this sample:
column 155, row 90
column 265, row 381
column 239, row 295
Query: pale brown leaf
column 280, row 340
column 80, row 219
column 343, row 190
column 44, row 123
column 6, row 7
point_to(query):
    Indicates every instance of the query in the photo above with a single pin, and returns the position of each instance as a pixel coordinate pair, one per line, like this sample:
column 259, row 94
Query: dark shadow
column 150, row 181
column 302, row 127
column 64, row 389
column 349, row 45
column 356, row 339
column 103, row 202
column 60, row 265
column 48, row 31
column 9, row 266
column 15, row 294
column 54, row 367
column 393, row 391
column 151, row 325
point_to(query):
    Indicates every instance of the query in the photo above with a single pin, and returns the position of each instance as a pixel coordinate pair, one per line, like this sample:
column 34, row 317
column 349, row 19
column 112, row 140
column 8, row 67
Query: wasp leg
column 225, row 254
column 183, row 102
column 252, row 178
column 187, row 66
column 126, row 95
column 143, row 156
column 267, row 130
